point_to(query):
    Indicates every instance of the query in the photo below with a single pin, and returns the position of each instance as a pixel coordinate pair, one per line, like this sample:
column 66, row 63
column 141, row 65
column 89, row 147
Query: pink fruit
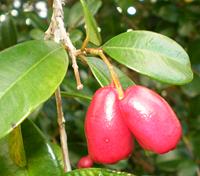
column 151, row 119
column 85, row 162
column 109, row 140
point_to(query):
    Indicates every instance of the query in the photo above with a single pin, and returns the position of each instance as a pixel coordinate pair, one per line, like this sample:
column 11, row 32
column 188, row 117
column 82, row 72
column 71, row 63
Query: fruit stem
column 114, row 76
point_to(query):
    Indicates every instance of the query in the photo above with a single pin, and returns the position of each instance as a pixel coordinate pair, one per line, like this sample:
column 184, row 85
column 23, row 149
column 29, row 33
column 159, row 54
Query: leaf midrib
column 26, row 72
column 143, row 50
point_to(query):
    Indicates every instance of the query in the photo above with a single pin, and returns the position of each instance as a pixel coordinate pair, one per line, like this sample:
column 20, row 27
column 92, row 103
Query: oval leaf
column 41, row 159
column 97, row 171
column 91, row 25
column 102, row 74
column 151, row 54
column 29, row 74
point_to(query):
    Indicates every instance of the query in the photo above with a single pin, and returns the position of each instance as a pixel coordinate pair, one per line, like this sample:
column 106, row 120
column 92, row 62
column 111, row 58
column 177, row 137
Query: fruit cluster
column 110, row 122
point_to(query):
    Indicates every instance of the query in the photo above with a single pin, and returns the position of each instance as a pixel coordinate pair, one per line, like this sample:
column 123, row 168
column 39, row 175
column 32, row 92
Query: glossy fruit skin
column 151, row 120
column 85, row 162
column 108, row 138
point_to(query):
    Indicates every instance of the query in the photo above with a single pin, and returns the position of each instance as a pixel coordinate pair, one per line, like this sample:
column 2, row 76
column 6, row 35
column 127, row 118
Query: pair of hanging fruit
column 112, row 123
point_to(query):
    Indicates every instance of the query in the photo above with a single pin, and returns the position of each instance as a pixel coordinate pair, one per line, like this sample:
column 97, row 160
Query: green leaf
column 151, row 54
column 102, row 74
column 91, row 25
column 41, row 159
column 97, row 171
column 8, row 32
column 76, row 19
column 29, row 74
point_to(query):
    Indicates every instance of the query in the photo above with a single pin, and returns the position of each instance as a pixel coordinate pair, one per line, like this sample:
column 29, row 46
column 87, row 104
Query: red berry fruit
column 151, row 119
column 85, row 162
column 108, row 138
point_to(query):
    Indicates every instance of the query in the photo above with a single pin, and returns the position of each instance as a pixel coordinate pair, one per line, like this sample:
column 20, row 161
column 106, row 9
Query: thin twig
column 58, row 32
column 63, row 135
